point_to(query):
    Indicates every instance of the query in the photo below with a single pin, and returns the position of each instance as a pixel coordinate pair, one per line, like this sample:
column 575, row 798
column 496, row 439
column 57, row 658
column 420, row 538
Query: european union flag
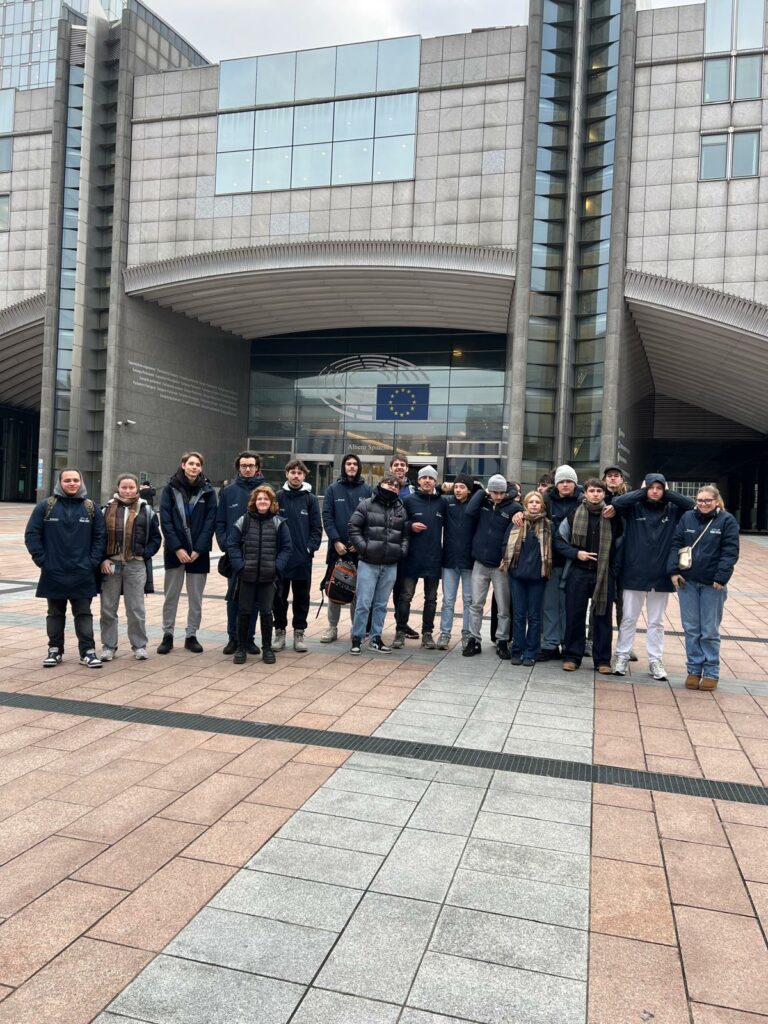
column 402, row 402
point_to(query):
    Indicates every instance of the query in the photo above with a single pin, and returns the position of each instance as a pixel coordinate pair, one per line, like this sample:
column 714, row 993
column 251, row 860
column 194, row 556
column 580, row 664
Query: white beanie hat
column 563, row 473
column 429, row 471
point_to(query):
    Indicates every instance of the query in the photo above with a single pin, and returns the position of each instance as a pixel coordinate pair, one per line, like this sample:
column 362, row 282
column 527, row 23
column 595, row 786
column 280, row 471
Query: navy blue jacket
column 649, row 527
column 492, row 526
column 425, row 552
column 558, row 509
column 233, row 502
column 68, row 547
column 200, row 516
column 716, row 553
column 340, row 501
column 301, row 511
column 458, row 534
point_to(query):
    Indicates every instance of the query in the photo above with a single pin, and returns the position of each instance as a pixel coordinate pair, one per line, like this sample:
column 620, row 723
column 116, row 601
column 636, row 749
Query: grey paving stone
column 570, row 737
column 570, row 698
column 420, row 1017
column 387, row 765
column 536, row 705
column 317, row 863
column 380, row 949
column 512, row 941
column 458, row 775
column 434, row 693
column 373, row 784
column 435, row 706
column 494, row 994
column 321, row 1007
column 420, row 866
column 527, row 862
column 345, row 833
column 557, row 751
column 447, row 808
column 561, row 789
column 562, row 722
column 382, row 809
column 491, row 709
column 289, row 952
column 544, row 835
column 419, row 733
column 529, row 805
column 293, row 900
column 171, row 991
column 112, row 1018
column 481, row 735
column 521, row 897
column 422, row 719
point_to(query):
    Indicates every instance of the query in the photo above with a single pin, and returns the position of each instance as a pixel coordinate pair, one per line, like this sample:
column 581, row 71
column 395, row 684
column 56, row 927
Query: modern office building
column 494, row 251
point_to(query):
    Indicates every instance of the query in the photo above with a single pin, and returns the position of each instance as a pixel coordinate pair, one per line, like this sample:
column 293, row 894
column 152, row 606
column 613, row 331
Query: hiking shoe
column 473, row 647
column 166, row 644
column 298, row 641
column 329, row 636
column 140, row 654
column 91, row 660
column 231, row 646
column 604, row 670
column 278, row 644
column 193, row 644
column 443, row 639
column 692, row 681
column 620, row 665
column 53, row 658
column 529, row 662
column 252, row 647
column 107, row 654
column 549, row 654
column 708, row 683
column 355, row 648
column 569, row 666
column 399, row 640
column 377, row 645
column 428, row 641
column 633, row 656
column 411, row 634
column 657, row 670
column 502, row 649
column 241, row 655
column 268, row 655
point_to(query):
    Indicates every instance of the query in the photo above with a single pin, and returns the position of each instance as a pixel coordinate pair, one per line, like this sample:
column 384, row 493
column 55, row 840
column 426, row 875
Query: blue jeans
column 374, row 585
column 451, row 578
column 553, row 611
column 701, row 611
column 527, row 599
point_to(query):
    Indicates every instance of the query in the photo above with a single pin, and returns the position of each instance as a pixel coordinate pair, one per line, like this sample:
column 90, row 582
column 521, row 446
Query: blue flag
column 402, row 402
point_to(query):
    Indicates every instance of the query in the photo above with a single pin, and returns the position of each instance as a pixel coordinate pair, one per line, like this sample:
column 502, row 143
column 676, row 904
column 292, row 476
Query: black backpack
column 342, row 582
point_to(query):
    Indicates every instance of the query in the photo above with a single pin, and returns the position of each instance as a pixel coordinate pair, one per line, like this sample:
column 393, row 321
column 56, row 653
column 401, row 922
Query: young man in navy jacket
column 426, row 511
column 340, row 501
column 301, row 510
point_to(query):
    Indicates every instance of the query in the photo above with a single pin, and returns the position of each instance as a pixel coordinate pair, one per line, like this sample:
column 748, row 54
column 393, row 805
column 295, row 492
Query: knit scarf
column 540, row 524
column 579, row 533
column 120, row 516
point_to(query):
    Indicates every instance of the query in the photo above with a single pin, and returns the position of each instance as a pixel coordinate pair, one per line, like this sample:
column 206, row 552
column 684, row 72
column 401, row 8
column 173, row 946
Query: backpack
column 51, row 502
column 342, row 582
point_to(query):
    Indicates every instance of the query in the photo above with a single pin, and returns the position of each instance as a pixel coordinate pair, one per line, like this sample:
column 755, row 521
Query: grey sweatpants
column 174, row 580
column 482, row 578
column 130, row 577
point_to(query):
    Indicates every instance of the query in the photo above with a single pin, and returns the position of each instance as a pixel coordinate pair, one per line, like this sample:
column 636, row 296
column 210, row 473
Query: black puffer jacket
column 379, row 528
column 260, row 552
column 715, row 554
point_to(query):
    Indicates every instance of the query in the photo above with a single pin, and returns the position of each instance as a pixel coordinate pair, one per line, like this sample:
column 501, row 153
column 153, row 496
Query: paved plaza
column 173, row 874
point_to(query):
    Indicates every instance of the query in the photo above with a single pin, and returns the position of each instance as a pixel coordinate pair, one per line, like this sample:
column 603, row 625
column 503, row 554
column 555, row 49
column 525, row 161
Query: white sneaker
column 90, row 660
column 656, row 669
column 107, row 654
column 140, row 654
column 278, row 643
column 620, row 666
column 330, row 635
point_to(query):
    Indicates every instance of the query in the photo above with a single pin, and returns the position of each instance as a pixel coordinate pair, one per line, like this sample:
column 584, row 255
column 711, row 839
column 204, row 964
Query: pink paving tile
column 26, row 828
column 724, row 958
column 705, row 876
column 750, row 845
column 754, row 726
column 618, row 750
column 622, row 796
column 40, row 868
column 660, row 716
column 717, row 1015
column 168, row 746
column 742, row 814
column 291, row 786
column 689, row 818
column 236, row 837
column 95, row 755
column 759, row 893
column 361, row 720
column 28, row 789
column 323, row 755
column 104, row 783
column 630, row 900
column 756, row 750
column 188, row 770
column 616, row 723
column 263, row 758
column 666, row 743
column 728, row 765
column 612, row 700
column 118, row 816
column 44, row 928
column 702, row 710
column 129, row 862
column 81, row 735
column 629, row 979
column 625, row 834
column 712, row 734
column 674, row 766
column 645, row 694
column 213, row 797
column 18, row 763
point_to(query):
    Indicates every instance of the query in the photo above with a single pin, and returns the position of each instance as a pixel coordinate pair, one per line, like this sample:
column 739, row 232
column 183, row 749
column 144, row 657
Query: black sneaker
column 231, row 646
column 473, row 647
column 355, row 648
column 53, row 658
column 502, row 649
column 377, row 645
column 240, row 656
column 268, row 656
column 166, row 644
column 193, row 644
column 549, row 654
column 91, row 660
column 528, row 662
column 253, row 648
column 516, row 659
column 411, row 634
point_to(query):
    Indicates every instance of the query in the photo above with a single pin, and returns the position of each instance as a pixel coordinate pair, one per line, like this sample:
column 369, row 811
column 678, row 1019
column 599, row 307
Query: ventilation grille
column 77, row 41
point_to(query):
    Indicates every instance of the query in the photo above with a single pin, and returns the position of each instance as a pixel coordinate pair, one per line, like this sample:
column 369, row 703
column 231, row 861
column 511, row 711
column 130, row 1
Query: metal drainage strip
column 610, row 775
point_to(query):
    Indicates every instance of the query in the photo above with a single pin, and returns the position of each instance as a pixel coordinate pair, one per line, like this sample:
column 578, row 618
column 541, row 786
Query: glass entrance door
column 372, row 468
column 321, row 474
column 417, row 462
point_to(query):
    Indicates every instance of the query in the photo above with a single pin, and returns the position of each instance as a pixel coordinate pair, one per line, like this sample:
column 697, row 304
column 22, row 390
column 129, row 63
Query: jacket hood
column 296, row 490
column 81, row 493
column 357, row 477
column 655, row 478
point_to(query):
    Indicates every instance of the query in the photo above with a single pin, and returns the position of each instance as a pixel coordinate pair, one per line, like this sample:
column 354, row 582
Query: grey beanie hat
column 429, row 471
column 563, row 473
column 497, row 483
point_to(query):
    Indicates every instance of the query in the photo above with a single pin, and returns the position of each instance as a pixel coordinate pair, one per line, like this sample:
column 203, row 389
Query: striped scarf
column 579, row 533
column 542, row 527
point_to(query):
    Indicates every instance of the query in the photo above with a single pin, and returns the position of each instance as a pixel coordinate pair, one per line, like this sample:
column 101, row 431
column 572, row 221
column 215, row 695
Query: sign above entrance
column 402, row 402
column 374, row 386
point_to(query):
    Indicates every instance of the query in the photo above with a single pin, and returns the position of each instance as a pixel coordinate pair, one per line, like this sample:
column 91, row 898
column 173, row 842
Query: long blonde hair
column 715, row 492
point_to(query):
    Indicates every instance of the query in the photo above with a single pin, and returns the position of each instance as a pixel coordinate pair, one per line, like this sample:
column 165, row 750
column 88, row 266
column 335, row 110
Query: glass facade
column 734, row 25
column 429, row 394
column 313, row 144
column 729, row 155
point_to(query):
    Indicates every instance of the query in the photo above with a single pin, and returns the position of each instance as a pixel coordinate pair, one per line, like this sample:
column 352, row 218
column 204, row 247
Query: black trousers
column 403, row 606
column 250, row 597
column 300, row 603
column 579, row 588
column 56, row 621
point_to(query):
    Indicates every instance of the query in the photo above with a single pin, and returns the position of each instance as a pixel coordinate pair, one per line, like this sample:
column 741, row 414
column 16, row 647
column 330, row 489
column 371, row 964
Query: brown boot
column 708, row 683
column 692, row 682
column 569, row 666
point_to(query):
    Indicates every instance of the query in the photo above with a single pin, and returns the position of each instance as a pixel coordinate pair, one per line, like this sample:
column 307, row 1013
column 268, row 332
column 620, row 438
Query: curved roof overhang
column 21, row 353
column 302, row 286
column 705, row 347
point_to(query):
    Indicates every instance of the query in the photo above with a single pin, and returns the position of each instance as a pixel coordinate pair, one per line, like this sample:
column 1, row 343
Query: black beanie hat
column 466, row 479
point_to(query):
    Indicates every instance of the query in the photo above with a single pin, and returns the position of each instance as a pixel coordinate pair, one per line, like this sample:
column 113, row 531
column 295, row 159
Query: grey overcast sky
column 242, row 28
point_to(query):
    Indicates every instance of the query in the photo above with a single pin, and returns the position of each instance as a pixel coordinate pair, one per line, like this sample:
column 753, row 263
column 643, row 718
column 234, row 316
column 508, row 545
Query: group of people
column 559, row 559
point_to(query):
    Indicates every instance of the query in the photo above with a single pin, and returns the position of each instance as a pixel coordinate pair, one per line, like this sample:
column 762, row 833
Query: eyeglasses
column 705, row 501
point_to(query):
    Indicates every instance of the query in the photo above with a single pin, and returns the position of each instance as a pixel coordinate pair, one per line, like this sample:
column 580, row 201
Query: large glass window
column 356, row 68
column 398, row 64
column 311, row 166
column 714, row 157
column 6, row 110
column 315, row 73
column 237, row 83
column 271, row 169
column 749, row 77
column 275, row 80
column 396, row 115
column 717, row 26
column 235, row 131
column 274, row 127
column 717, row 80
column 353, row 119
column 313, row 123
column 5, row 212
column 393, row 158
column 234, row 172
column 750, row 24
column 6, row 154
column 737, row 78
column 745, row 156
column 730, row 155
column 352, row 161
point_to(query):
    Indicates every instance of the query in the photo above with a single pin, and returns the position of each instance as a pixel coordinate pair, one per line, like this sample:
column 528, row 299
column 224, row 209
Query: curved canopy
column 300, row 286
column 21, row 353
column 704, row 347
